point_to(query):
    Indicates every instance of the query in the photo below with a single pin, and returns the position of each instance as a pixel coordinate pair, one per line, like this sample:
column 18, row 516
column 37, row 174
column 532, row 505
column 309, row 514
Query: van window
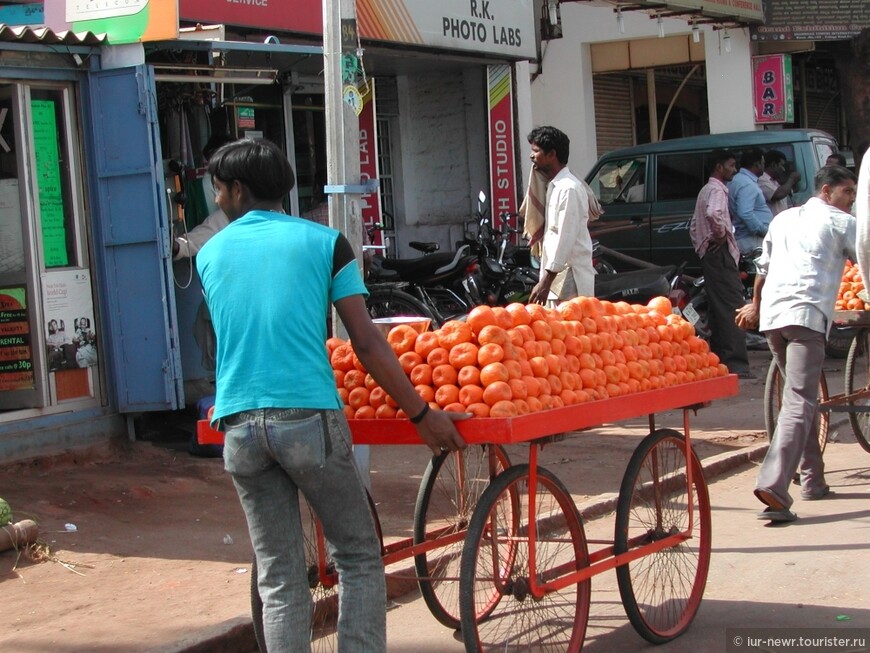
column 622, row 180
column 680, row 176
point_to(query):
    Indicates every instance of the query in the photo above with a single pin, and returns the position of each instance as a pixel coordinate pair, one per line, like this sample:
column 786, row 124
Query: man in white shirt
column 775, row 184
column 566, row 259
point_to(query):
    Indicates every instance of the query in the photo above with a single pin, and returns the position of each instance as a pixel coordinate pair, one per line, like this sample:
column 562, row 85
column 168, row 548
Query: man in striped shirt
column 713, row 238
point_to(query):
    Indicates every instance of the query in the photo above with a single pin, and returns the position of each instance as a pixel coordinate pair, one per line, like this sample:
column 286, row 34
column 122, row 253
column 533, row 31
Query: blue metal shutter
column 132, row 242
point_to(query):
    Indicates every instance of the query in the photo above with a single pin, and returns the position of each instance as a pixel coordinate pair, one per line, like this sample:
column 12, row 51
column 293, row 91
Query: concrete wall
column 443, row 143
column 561, row 86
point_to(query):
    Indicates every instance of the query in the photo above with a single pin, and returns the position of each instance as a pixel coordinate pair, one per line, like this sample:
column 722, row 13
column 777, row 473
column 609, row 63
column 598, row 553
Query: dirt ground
column 148, row 544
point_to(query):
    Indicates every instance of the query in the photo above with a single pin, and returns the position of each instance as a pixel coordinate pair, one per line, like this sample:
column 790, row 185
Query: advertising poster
column 773, row 89
column 368, row 164
column 11, row 237
column 122, row 21
column 16, row 356
column 70, row 338
column 503, row 198
column 49, row 183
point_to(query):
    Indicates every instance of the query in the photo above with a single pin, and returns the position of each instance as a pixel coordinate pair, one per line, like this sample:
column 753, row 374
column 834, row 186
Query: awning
column 47, row 36
column 721, row 13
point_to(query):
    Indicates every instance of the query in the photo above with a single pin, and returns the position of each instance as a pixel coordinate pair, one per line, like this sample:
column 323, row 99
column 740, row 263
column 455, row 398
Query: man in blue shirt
column 268, row 278
column 749, row 211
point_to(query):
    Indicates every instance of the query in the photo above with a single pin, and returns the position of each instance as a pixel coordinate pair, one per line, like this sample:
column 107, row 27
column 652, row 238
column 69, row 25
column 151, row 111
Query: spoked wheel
column 773, row 402
column 449, row 492
column 322, row 580
column 858, row 378
column 499, row 611
column 661, row 591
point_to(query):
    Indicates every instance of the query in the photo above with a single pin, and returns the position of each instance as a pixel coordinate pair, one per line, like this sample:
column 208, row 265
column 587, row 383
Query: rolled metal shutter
column 614, row 112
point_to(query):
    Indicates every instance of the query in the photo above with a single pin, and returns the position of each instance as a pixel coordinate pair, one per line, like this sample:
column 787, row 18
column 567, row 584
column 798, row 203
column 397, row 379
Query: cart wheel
column 773, row 402
column 661, row 591
column 449, row 493
column 323, row 583
column 857, row 378
column 499, row 612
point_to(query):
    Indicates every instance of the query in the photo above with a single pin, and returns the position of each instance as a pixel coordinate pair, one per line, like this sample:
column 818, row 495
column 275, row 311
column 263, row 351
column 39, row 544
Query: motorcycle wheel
column 390, row 302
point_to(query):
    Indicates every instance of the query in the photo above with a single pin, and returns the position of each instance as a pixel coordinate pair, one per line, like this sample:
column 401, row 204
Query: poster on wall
column 502, row 175
column 368, row 165
column 48, row 181
column 812, row 20
column 11, row 237
column 71, row 341
column 16, row 356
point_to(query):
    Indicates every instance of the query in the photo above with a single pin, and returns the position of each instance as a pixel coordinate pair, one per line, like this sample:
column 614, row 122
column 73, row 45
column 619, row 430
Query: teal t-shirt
column 269, row 280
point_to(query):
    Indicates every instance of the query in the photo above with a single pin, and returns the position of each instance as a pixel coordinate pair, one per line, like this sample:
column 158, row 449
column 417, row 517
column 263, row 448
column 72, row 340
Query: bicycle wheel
column 322, row 580
column 773, row 402
column 449, row 493
column 857, row 378
column 392, row 302
column 661, row 591
column 499, row 612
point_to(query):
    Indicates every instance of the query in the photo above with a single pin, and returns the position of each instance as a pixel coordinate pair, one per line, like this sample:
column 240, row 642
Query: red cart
column 500, row 550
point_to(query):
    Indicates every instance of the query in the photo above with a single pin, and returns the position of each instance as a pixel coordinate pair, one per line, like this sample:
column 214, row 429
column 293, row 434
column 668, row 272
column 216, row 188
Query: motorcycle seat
column 426, row 248
column 636, row 285
column 425, row 267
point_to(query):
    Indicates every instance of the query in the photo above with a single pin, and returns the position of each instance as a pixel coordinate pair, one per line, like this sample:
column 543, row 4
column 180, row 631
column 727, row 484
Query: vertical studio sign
column 368, row 161
column 773, row 89
column 502, row 173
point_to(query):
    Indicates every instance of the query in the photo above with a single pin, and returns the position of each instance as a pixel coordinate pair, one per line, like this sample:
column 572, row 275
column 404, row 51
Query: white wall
column 562, row 91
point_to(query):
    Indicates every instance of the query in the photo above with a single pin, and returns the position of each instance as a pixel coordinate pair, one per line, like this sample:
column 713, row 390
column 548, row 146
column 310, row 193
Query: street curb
column 237, row 635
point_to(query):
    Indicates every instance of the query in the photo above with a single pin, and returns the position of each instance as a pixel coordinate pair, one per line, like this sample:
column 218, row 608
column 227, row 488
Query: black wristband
column 419, row 416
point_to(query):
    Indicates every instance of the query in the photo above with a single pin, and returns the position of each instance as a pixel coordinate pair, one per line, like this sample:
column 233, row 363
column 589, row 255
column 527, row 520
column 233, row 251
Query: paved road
column 813, row 573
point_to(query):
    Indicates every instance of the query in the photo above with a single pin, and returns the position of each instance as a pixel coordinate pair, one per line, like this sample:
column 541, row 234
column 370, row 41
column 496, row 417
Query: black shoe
column 747, row 375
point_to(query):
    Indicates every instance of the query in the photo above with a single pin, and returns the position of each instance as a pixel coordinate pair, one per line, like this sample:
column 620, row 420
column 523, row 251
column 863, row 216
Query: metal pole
column 342, row 129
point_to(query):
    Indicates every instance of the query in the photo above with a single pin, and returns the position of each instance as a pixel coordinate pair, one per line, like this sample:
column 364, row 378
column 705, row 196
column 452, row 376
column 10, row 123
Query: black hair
column 718, row 156
column 258, row 164
column 772, row 157
column 833, row 176
column 839, row 158
column 750, row 157
column 549, row 139
column 214, row 142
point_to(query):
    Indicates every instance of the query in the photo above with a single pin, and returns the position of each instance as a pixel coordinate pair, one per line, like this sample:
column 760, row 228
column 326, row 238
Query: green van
column 648, row 192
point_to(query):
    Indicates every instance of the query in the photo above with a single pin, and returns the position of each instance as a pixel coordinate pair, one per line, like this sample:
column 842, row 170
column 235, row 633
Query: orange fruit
column 469, row 375
column 332, row 343
column 518, row 314
column 421, row 374
column 479, row 317
column 533, row 388
column 354, row 379
column 489, row 353
column 446, row 394
column 349, row 412
column 479, row 409
column 542, row 330
column 515, row 370
column 343, row 393
column 539, row 366
column 385, row 411
column 470, row 394
column 505, row 408
column 338, row 375
column 454, row 332
column 661, row 304
column 465, row 353
column 426, row 342
column 455, row 407
column 493, row 334
column 438, row 356
column 497, row 391
column 342, row 358
column 377, row 397
column 357, row 363
column 493, row 373
column 444, row 375
column 358, row 397
column 502, row 318
column 370, row 382
column 402, row 338
column 364, row 412
column 426, row 392
column 534, row 404
column 518, row 389
column 409, row 360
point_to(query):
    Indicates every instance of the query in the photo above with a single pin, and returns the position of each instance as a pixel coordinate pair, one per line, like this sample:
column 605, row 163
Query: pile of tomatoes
column 509, row 361
column 850, row 286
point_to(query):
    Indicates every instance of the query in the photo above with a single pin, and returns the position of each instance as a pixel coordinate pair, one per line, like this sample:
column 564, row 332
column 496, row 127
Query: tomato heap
column 508, row 361
column 850, row 286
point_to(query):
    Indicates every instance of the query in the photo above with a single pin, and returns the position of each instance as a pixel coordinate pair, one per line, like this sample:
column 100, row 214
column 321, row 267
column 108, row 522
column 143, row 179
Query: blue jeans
column 272, row 455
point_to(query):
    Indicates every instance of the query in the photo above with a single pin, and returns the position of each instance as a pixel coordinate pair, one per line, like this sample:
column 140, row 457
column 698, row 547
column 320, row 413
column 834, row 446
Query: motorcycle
column 444, row 284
